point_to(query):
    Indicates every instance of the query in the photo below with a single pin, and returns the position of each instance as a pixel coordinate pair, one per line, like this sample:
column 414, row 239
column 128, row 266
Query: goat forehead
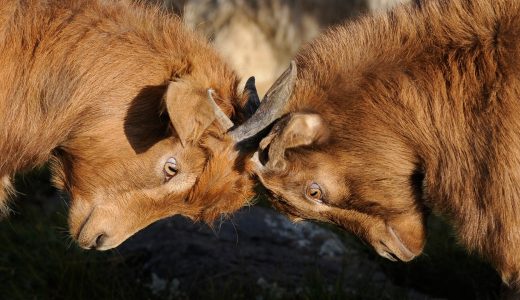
column 131, row 171
column 170, row 191
column 317, row 166
column 128, row 199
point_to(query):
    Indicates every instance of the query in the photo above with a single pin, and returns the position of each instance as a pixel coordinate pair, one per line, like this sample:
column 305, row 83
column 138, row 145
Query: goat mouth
column 390, row 256
column 387, row 252
column 395, row 249
column 406, row 254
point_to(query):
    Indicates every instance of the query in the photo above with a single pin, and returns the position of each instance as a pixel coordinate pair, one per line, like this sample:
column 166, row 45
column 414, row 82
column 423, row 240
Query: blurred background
column 259, row 37
column 258, row 254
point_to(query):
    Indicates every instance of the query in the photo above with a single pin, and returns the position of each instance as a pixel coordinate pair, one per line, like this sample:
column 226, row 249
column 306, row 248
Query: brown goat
column 402, row 112
column 116, row 95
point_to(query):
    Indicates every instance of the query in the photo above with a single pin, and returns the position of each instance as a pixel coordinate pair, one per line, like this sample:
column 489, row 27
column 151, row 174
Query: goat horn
column 254, row 101
column 220, row 116
column 271, row 108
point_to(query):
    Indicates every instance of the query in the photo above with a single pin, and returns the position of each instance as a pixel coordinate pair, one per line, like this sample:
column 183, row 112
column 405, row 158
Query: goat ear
column 292, row 131
column 189, row 110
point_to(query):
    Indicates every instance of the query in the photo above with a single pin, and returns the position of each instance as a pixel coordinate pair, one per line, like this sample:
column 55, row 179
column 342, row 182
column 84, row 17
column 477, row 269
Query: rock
column 258, row 247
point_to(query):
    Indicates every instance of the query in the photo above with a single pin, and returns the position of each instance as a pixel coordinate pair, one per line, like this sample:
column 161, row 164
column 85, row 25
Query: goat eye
column 314, row 192
column 170, row 168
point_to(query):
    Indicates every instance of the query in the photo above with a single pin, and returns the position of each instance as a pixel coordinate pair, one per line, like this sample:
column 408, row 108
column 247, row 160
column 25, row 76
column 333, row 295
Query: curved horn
column 271, row 108
column 220, row 116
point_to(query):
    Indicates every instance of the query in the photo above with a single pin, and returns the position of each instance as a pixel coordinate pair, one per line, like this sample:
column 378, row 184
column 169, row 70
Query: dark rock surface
column 257, row 247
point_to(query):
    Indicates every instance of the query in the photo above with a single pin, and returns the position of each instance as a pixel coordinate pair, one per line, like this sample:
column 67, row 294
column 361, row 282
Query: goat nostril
column 98, row 242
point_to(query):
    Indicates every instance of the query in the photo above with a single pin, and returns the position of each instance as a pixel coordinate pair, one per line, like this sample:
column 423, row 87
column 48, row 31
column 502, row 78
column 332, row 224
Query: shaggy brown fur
column 84, row 82
column 422, row 105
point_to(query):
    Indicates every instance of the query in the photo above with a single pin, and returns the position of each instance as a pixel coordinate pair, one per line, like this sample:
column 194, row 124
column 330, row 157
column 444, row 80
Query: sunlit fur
column 83, row 81
column 431, row 89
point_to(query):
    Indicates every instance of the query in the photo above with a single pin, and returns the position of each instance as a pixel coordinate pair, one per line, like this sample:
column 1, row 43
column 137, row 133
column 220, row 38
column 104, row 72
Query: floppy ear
column 189, row 110
column 292, row 131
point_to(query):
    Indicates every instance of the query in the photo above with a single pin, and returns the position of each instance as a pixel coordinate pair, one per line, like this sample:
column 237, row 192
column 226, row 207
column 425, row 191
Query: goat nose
column 98, row 241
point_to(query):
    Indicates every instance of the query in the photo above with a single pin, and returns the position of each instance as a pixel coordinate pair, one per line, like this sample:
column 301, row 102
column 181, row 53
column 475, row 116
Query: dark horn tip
column 250, row 83
column 254, row 101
